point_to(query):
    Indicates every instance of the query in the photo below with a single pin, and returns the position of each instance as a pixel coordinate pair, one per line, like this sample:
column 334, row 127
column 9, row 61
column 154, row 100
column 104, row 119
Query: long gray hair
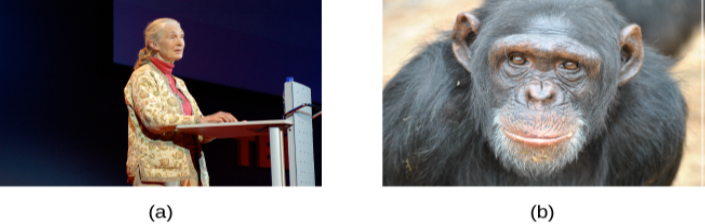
column 151, row 33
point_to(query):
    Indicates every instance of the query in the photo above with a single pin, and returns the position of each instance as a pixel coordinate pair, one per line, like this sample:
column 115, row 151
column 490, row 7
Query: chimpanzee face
column 538, row 75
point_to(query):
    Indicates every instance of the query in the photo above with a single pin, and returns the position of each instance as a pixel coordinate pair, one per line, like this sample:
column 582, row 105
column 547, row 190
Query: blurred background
column 410, row 24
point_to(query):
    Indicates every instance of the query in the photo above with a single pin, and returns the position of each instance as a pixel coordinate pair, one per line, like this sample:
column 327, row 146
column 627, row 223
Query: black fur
column 437, row 114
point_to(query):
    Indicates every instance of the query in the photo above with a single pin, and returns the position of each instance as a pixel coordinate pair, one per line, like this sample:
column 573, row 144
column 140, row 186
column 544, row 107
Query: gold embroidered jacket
column 155, row 148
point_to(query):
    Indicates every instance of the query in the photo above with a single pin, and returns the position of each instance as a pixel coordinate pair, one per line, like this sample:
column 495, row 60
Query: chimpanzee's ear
column 632, row 53
column 465, row 30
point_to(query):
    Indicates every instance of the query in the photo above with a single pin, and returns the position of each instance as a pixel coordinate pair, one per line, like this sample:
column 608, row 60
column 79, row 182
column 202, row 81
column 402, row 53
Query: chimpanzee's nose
column 541, row 92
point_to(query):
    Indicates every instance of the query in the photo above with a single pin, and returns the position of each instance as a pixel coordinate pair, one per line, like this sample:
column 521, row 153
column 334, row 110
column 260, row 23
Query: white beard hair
column 505, row 151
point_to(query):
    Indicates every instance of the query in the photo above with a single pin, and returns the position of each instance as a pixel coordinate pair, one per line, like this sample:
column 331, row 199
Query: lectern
column 297, row 122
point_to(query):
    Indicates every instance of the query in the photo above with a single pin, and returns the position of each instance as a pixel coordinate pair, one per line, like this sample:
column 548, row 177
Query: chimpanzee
column 536, row 92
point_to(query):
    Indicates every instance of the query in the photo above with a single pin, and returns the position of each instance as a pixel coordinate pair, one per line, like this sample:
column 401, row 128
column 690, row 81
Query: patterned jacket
column 155, row 148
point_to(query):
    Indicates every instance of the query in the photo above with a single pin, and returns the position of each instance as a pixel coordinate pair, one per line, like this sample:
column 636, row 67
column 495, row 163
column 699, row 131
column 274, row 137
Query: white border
column 356, row 203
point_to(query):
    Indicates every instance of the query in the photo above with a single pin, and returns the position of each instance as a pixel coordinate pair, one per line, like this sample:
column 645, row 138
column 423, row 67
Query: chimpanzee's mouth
column 538, row 141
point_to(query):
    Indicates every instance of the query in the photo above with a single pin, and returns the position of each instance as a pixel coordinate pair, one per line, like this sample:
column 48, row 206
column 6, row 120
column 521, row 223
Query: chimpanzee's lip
column 537, row 141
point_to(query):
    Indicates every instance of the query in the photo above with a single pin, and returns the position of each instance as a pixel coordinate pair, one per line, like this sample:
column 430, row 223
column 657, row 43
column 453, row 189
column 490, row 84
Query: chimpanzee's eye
column 570, row 65
column 518, row 59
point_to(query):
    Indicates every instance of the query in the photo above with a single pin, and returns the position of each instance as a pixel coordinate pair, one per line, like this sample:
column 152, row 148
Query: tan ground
column 411, row 23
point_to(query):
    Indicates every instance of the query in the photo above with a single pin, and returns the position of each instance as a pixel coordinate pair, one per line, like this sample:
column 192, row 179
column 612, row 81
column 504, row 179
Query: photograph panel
column 542, row 93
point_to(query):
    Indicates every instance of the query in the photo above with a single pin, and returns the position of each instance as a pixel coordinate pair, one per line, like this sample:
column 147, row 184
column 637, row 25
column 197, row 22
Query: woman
column 158, row 154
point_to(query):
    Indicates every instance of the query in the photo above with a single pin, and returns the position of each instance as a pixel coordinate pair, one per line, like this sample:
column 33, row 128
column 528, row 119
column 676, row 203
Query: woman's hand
column 218, row 118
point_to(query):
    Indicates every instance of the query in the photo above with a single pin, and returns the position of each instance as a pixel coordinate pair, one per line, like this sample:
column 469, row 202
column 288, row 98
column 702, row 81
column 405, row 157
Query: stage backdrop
column 251, row 45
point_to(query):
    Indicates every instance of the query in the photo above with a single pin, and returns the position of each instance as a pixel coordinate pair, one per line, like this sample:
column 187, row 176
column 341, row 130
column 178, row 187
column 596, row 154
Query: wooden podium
column 298, row 125
column 273, row 128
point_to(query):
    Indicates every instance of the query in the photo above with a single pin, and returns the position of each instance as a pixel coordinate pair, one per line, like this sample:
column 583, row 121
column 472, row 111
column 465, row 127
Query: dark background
column 251, row 45
column 62, row 110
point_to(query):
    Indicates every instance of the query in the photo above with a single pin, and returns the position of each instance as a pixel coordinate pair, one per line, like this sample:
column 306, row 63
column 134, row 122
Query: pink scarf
column 166, row 69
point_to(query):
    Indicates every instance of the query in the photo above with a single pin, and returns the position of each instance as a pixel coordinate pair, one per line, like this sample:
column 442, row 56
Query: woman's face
column 171, row 43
